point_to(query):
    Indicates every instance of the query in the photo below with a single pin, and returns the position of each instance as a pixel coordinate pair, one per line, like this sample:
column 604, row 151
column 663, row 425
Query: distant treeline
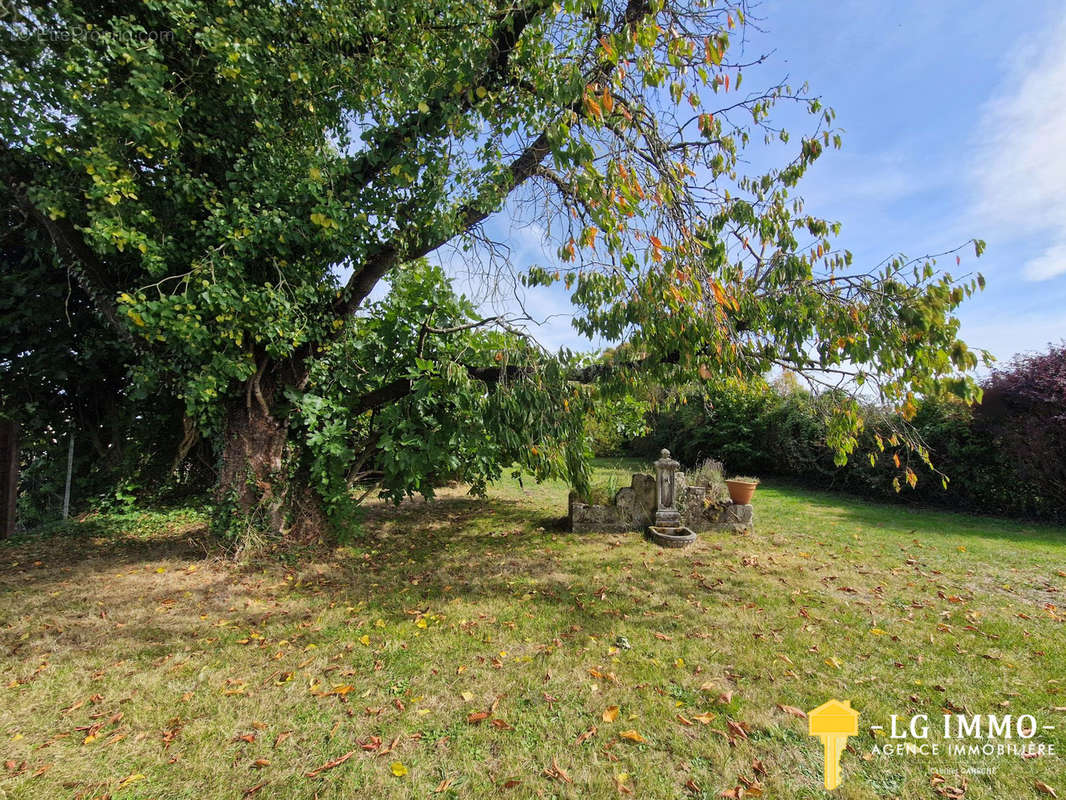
column 1004, row 456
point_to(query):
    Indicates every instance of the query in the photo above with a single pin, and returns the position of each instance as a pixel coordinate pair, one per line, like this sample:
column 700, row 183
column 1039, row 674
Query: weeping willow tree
column 230, row 182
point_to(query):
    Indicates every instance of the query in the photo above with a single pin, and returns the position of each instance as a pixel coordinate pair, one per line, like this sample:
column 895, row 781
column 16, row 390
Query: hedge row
column 1005, row 456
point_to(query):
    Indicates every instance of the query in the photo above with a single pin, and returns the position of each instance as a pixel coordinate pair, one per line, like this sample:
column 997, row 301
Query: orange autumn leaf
column 610, row 714
column 592, row 106
column 557, row 772
column 719, row 294
column 1042, row 787
column 737, row 730
column 631, row 735
column 331, row 764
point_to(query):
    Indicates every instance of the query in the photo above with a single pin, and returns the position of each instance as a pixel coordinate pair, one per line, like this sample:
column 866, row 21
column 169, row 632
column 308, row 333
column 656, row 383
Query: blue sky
column 954, row 118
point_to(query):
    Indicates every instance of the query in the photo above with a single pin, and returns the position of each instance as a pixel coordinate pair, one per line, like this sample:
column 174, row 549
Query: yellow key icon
column 833, row 722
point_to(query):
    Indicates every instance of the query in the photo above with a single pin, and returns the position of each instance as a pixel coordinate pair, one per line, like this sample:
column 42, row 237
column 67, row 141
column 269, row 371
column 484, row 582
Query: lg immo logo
column 965, row 735
column 833, row 722
column 958, row 735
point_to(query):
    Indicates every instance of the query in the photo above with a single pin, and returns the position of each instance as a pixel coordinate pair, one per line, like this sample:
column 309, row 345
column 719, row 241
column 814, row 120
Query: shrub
column 1024, row 411
column 1006, row 456
column 711, row 475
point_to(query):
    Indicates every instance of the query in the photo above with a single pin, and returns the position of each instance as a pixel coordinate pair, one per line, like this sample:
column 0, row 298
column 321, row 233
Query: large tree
column 229, row 182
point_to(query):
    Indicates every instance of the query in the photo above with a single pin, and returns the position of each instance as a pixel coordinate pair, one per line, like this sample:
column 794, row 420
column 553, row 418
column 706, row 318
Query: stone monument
column 668, row 530
column 666, row 513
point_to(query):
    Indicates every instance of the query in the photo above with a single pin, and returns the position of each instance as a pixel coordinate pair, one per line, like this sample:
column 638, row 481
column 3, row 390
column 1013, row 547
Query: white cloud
column 1049, row 264
column 1019, row 165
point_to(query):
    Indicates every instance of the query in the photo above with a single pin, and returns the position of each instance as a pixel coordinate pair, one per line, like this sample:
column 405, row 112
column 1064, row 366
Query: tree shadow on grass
column 473, row 546
column 93, row 588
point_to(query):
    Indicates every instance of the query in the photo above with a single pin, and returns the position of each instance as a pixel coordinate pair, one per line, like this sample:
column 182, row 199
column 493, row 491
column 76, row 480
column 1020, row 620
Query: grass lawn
column 471, row 648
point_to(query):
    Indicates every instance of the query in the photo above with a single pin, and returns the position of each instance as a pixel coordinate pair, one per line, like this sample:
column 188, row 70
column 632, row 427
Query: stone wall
column 633, row 509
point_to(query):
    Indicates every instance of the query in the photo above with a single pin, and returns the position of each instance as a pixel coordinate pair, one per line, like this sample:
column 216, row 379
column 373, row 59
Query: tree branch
column 393, row 252
column 80, row 261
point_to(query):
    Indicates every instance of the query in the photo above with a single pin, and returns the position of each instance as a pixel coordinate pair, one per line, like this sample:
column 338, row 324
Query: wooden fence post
column 9, row 476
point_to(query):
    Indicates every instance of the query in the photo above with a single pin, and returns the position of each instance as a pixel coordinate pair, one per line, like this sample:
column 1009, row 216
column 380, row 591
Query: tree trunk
column 256, row 497
column 252, row 488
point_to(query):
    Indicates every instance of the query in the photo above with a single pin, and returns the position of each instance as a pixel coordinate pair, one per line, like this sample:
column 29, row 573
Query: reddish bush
column 1024, row 410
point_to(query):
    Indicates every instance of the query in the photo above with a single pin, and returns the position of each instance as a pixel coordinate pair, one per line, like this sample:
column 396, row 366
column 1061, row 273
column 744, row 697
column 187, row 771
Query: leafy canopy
column 230, row 181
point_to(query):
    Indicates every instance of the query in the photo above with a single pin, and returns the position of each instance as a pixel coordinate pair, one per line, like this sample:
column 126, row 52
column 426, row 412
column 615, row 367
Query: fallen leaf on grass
column 752, row 787
column 1043, row 787
column 331, row 764
column 736, row 729
column 631, row 735
column 130, row 779
column 398, row 769
column 253, row 789
column 477, row 717
column 799, row 713
column 557, row 772
column 704, row 718
column 584, row 737
column 443, row 786
column 610, row 714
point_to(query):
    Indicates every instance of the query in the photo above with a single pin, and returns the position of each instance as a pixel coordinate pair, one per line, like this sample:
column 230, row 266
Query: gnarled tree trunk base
column 257, row 501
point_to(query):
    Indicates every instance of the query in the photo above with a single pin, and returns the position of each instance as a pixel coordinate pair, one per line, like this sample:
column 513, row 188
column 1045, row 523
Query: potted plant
column 741, row 489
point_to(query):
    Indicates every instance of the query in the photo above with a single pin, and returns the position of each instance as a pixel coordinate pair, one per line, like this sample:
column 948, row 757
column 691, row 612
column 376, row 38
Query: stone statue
column 667, row 515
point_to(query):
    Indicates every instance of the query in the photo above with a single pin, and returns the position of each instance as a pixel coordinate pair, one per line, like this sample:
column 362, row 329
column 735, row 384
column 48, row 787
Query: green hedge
column 779, row 431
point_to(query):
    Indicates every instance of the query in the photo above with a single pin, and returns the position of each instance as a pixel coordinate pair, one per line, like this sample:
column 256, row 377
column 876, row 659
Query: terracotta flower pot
column 740, row 492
